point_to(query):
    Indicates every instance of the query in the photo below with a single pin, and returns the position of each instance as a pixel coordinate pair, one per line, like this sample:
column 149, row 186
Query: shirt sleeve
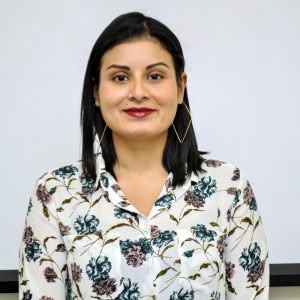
column 43, row 270
column 246, row 256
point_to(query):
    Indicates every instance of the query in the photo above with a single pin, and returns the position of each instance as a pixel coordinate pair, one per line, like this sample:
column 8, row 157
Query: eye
column 155, row 76
column 120, row 78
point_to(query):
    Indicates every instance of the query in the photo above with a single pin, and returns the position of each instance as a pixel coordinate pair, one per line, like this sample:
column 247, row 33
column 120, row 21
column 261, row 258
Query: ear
column 96, row 96
column 181, row 87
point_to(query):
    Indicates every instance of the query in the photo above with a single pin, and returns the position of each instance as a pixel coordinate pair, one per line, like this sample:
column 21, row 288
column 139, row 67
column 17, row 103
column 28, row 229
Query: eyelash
column 117, row 77
column 156, row 74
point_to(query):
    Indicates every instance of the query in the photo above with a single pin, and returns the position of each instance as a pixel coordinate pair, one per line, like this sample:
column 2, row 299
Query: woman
column 143, row 215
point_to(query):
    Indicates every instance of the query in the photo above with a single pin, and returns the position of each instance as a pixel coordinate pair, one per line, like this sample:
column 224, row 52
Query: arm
column 246, row 256
column 42, row 253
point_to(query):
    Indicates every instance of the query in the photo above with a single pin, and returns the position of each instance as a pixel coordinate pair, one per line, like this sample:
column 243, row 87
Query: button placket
column 144, row 225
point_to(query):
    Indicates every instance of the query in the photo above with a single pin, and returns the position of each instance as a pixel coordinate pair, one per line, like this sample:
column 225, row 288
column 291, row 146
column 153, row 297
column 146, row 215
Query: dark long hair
column 180, row 159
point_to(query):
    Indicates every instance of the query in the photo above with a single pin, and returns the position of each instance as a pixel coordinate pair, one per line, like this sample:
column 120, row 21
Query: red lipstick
column 139, row 112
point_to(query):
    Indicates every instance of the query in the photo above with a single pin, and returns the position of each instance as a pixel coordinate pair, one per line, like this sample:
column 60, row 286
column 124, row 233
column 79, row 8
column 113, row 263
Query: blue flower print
column 130, row 291
column 66, row 172
column 249, row 197
column 188, row 253
column 143, row 243
column 165, row 200
column 29, row 207
column 104, row 179
column 196, row 243
column 27, row 295
column 33, row 251
column 135, row 251
column 236, row 199
column 164, row 238
column 253, row 205
column 205, row 187
column 203, row 233
column 125, row 214
column 86, row 225
column 87, row 182
column 250, row 257
column 182, row 295
column 98, row 269
column 215, row 295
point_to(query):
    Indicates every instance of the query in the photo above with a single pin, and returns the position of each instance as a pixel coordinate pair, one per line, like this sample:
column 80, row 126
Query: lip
column 139, row 109
column 139, row 112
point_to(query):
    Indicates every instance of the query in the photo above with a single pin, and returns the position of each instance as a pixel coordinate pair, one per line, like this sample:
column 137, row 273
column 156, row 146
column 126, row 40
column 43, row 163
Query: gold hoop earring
column 187, row 129
column 100, row 141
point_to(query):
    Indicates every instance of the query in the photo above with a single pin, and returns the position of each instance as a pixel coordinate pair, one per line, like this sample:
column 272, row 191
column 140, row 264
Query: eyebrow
column 157, row 64
column 127, row 68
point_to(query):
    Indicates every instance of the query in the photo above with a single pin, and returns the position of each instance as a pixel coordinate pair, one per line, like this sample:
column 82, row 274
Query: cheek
column 167, row 99
column 172, row 112
column 110, row 96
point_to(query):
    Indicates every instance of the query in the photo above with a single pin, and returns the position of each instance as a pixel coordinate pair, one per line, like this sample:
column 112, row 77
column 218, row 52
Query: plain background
column 243, row 69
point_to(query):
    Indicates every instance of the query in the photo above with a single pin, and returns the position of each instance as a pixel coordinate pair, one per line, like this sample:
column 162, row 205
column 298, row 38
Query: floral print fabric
column 203, row 240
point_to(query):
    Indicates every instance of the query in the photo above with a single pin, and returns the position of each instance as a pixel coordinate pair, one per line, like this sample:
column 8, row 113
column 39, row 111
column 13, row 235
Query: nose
column 138, row 90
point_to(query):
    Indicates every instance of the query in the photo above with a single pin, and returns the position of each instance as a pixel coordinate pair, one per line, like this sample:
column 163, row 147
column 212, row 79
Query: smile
column 139, row 112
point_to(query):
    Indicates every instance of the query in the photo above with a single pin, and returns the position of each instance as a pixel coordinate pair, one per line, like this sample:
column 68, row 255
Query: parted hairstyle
column 180, row 159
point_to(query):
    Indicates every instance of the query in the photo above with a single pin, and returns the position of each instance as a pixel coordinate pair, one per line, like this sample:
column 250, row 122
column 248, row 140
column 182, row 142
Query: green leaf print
column 46, row 240
column 45, row 259
column 162, row 272
column 204, row 266
column 45, row 211
column 231, row 232
column 194, row 277
column 117, row 226
column 214, row 224
column 173, row 218
column 110, row 241
column 166, row 248
column 66, row 201
column 247, row 220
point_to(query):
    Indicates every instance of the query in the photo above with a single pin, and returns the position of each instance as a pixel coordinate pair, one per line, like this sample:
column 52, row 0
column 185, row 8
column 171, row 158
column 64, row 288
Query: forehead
column 141, row 51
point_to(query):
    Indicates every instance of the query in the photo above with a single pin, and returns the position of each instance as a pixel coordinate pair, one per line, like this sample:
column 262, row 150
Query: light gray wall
column 243, row 68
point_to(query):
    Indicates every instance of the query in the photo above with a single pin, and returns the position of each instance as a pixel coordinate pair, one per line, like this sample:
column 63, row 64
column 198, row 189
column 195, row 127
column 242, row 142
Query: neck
column 137, row 157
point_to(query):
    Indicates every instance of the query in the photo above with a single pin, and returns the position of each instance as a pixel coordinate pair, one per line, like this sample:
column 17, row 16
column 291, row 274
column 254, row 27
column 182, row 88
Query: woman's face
column 138, row 93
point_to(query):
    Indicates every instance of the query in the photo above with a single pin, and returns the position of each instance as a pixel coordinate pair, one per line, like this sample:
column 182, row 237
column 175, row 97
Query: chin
column 143, row 136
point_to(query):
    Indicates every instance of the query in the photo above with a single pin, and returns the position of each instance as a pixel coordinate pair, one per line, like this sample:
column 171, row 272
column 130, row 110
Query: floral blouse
column 202, row 240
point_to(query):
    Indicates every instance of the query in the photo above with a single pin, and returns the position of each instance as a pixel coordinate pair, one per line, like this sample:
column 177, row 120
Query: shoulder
column 224, row 173
column 63, row 184
column 63, row 173
column 220, row 167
